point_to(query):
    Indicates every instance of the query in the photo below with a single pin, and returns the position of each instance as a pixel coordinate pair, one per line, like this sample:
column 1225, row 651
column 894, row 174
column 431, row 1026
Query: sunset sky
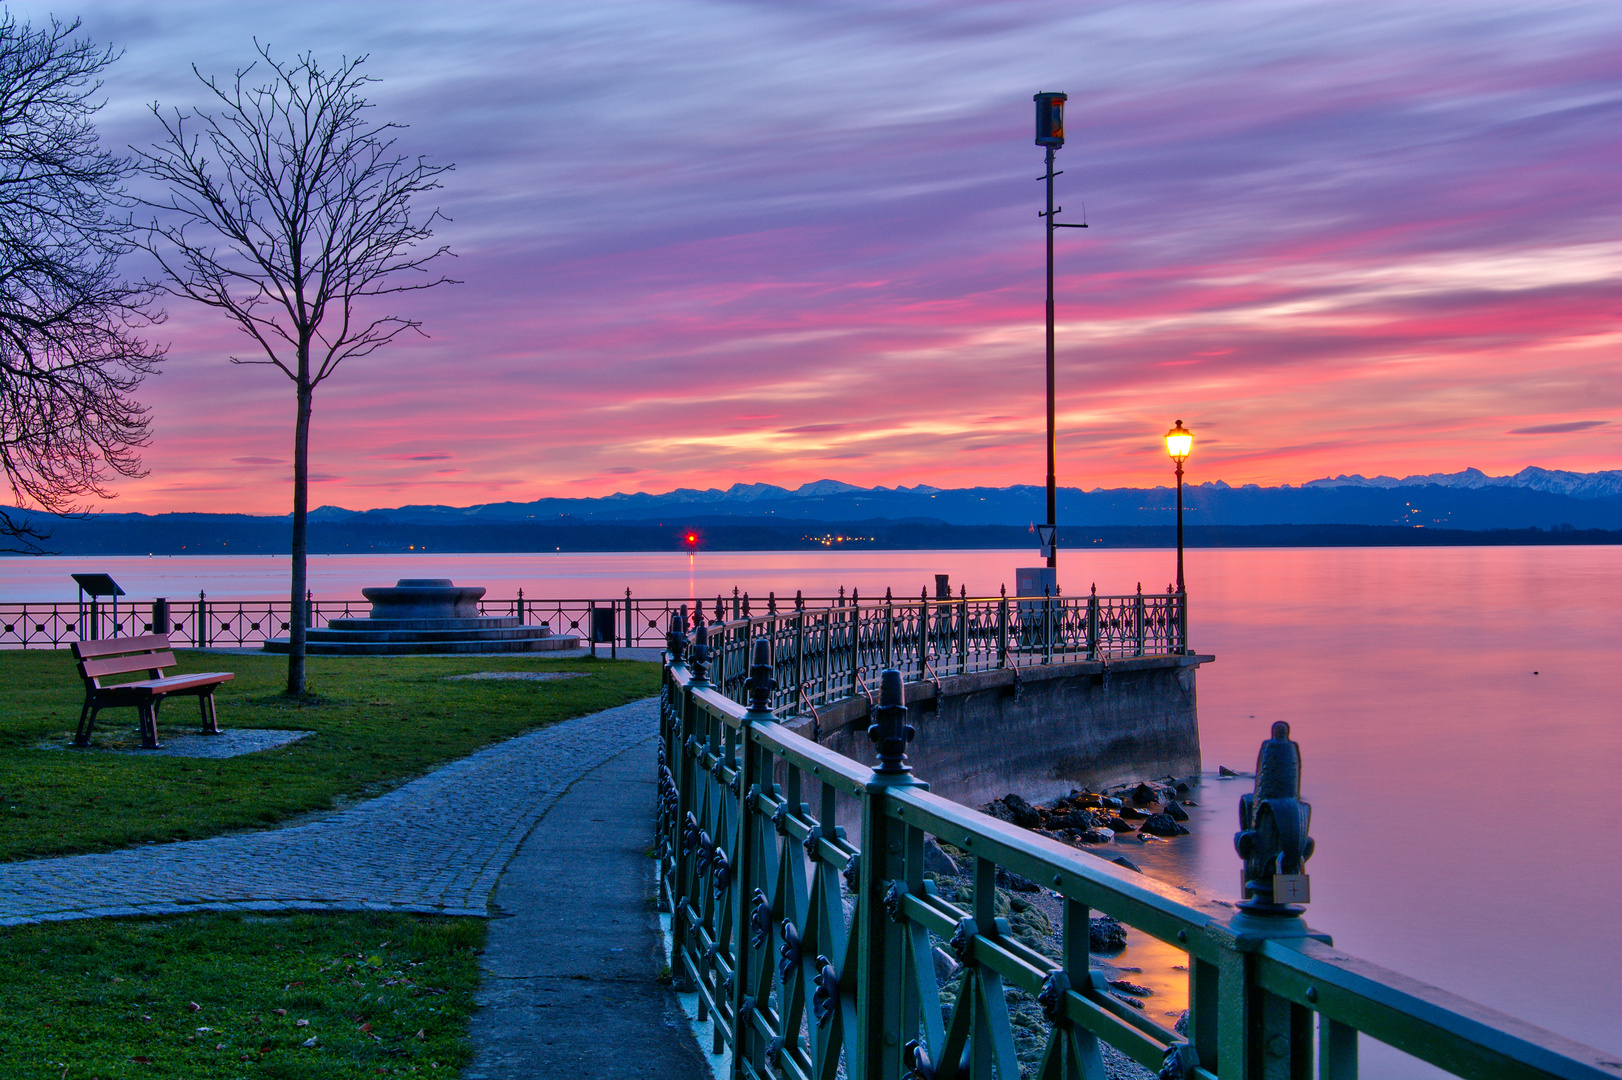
column 707, row 243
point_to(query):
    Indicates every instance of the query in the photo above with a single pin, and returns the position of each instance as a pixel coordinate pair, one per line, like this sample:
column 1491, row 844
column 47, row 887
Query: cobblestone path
column 435, row 845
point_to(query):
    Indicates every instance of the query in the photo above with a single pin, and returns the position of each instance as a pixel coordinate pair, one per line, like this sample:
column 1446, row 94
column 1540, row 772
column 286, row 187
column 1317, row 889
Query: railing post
column 1140, row 619
column 518, row 608
column 855, row 641
column 962, row 630
column 591, row 626
column 1077, row 974
column 925, row 632
column 799, row 650
column 892, row 858
column 751, row 872
column 1002, row 629
column 202, row 619
column 683, row 766
column 1047, row 625
column 889, row 630
column 95, row 622
column 1259, row 1034
column 1182, row 621
column 827, row 653
column 1092, row 624
column 630, row 626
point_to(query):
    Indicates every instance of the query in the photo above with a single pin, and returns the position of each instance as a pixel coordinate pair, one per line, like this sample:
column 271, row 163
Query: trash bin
column 602, row 625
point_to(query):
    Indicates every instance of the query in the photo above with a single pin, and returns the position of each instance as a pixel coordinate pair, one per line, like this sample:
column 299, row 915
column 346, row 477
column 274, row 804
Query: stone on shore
column 937, row 861
column 1163, row 825
column 1105, row 935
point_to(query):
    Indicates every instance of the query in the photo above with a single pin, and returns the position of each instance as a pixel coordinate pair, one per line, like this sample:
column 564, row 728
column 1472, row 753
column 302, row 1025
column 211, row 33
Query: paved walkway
column 436, row 845
column 569, row 989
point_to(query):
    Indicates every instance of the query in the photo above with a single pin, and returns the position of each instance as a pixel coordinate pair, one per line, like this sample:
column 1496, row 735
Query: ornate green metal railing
column 830, row 653
column 809, row 937
column 834, row 642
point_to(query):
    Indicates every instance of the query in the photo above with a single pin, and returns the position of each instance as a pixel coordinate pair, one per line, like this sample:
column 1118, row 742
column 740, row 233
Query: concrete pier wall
column 1039, row 731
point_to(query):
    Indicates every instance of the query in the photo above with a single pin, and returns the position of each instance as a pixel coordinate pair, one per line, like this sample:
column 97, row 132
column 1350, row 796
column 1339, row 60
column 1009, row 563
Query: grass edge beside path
column 378, row 722
column 217, row 997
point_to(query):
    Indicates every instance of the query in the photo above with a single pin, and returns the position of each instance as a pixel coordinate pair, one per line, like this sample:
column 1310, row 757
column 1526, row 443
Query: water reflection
column 1456, row 710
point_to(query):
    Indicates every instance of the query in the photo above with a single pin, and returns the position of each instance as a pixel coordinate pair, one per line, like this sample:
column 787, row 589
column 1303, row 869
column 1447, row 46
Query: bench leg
column 87, row 720
column 149, row 725
column 211, row 719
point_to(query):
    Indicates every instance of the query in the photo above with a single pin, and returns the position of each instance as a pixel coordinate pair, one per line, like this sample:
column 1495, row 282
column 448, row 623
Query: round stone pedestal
column 427, row 615
column 424, row 598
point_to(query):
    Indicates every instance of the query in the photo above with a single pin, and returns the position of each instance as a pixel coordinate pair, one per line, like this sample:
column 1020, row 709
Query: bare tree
column 70, row 357
column 289, row 210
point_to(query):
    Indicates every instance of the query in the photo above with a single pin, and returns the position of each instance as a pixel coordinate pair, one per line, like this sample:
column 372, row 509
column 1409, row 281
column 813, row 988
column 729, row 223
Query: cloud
column 1559, row 429
column 725, row 242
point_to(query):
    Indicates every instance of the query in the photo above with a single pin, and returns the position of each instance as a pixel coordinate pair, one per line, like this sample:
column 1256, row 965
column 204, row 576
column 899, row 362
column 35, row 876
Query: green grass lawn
column 223, row 996
column 378, row 721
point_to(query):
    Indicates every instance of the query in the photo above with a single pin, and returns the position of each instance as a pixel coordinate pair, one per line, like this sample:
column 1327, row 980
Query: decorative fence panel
column 809, row 937
column 824, row 655
column 830, row 646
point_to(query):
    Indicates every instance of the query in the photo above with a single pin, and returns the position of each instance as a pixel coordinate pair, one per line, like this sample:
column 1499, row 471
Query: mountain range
column 1464, row 500
column 1469, row 507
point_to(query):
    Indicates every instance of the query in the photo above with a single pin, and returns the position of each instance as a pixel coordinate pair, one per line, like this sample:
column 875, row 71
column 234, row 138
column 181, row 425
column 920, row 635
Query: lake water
column 1457, row 708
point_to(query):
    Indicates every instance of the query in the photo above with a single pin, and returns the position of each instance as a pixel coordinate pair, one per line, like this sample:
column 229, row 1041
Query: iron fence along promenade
column 839, row 640
column 832, row 652
column 810, row 939
column 206, row 622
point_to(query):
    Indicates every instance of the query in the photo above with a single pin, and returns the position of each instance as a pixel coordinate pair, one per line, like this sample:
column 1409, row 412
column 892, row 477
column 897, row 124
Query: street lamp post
column 1179, row 441
column 1050, row 134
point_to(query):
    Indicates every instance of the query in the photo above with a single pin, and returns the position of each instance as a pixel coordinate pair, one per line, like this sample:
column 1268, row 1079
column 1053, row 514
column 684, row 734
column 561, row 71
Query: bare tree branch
column 306, row 209
column 290, row 210
column 70, row 354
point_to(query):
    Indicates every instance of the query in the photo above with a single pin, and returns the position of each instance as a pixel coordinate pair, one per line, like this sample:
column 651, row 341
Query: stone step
column 498, row 633
column 480, row 622
column 555, row 643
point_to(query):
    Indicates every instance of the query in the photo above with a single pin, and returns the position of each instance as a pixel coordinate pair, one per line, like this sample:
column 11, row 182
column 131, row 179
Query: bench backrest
column 88, row 650
column 148, row 654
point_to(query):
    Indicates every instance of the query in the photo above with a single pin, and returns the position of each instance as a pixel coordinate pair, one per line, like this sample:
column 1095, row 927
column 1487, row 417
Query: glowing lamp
column 1050, row 118
column 1179, row 441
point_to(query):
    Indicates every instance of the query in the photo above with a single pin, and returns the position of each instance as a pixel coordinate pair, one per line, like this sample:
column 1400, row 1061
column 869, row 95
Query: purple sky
column 715, row 242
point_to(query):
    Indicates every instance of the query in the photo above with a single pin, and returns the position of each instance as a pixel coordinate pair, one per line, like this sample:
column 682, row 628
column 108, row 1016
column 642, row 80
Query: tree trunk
column 297, row 624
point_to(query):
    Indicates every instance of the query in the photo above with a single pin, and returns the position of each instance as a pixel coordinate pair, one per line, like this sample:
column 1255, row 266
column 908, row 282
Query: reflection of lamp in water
column 1179, row 441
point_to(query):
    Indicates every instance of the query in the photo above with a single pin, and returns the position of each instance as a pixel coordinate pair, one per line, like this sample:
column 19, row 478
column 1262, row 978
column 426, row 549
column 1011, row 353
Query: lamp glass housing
column 1179, row 441
column 1050, row 118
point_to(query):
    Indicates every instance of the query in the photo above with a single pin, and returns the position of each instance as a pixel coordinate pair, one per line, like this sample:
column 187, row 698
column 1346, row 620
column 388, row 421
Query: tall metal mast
column 1050, row 134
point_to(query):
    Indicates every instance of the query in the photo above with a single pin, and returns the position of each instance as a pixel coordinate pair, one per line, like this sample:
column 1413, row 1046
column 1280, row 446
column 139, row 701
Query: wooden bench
column 149, row 654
